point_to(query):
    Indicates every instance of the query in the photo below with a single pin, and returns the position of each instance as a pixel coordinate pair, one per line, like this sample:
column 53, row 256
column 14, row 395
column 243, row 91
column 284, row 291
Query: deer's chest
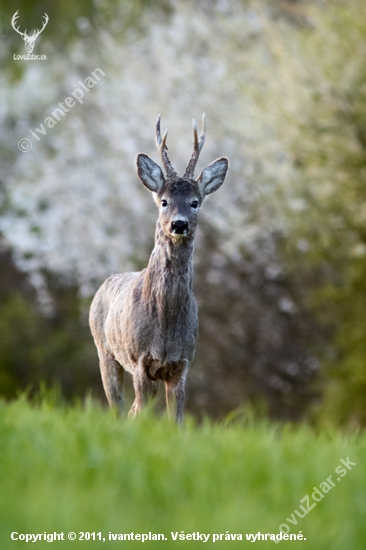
column 162, row 328
column 169, row 335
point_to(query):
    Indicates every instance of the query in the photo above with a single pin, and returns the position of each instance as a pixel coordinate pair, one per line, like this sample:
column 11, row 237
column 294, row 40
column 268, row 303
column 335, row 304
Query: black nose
column 179, row 227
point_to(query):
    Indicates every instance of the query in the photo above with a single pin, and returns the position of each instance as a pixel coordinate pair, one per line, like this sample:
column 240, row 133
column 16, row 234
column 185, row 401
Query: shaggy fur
column 147, row 322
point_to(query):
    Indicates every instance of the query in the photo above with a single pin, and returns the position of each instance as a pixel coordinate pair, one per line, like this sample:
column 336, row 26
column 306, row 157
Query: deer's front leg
column 180, row 393
column 176, row 387
column 141, row 385
column 112, row 377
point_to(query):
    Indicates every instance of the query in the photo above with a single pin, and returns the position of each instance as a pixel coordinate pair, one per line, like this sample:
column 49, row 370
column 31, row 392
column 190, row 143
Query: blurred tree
column 50, row 344
column 72, row 206
column 253, row 335
column 318, row 111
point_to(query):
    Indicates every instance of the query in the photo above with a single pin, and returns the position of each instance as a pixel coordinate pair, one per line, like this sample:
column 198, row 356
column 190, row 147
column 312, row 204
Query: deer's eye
column 194, row 204
column 164, row 203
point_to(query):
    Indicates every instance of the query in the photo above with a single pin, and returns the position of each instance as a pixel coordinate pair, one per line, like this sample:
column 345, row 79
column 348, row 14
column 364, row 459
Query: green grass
column 81, row 469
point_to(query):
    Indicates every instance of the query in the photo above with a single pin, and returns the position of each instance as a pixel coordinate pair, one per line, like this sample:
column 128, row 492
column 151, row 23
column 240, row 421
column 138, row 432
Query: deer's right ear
column 149, row 173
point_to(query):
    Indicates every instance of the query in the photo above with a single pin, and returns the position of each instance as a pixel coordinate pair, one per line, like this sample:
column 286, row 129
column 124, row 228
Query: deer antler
column 197, row 146
column 162, row 148
column 13, row 21
column 37, row 33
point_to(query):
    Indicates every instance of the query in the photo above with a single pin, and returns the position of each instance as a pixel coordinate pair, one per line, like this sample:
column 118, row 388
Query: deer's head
column 29, row 40
column 180, row 198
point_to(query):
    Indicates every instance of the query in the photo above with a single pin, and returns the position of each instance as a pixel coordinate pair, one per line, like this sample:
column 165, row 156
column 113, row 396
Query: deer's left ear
column 212, row 177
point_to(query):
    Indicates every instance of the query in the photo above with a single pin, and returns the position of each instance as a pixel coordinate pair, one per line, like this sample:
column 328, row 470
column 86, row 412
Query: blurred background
column 280, row 257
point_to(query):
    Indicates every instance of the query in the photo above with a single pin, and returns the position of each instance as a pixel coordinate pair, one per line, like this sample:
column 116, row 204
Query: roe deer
column 147, row 322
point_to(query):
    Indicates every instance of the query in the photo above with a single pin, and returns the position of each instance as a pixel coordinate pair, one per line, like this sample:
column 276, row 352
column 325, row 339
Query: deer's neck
column 169, row 275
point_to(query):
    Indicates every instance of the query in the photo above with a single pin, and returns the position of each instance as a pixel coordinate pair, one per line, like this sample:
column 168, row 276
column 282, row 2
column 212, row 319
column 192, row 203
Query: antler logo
column 29, row 40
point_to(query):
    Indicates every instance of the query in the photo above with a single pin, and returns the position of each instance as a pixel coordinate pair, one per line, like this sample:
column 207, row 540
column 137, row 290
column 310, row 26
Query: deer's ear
column 212, row 177
column 149, row 173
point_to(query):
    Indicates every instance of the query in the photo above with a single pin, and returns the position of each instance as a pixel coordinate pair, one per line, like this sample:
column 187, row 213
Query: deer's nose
column 179, row 227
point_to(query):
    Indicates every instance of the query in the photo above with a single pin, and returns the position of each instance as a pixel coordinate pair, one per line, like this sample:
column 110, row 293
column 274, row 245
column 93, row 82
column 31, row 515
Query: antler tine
column 46, row 19
column 197, row 147
column 14, row 18
column 13, row 21
column 162, row 148
column 195, row 135
column 44, row 23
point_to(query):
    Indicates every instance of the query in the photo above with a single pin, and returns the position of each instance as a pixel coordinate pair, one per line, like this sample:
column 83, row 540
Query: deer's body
column 147, row 322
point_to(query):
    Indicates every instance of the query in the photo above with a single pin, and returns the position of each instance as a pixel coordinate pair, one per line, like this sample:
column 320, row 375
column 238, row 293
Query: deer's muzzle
column 179, row 227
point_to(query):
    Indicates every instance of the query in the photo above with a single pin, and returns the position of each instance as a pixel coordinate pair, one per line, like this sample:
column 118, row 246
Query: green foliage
column 318, row 110
column 81, row 469
column 43, row 343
